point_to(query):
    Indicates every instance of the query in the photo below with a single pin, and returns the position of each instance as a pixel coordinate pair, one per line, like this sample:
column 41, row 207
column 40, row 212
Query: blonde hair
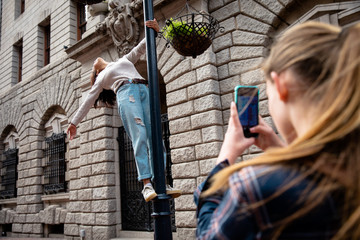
column 326, row 63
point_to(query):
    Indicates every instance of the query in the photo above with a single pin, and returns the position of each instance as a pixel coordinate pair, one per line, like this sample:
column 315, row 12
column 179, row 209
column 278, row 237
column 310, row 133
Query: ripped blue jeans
column 134, row 110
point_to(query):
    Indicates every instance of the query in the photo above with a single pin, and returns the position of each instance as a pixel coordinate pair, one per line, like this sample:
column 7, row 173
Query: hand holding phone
column 247, row 104
column 234, row 143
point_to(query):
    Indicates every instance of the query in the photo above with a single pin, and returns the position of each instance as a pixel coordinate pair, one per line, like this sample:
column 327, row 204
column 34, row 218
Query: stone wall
column 198, row 92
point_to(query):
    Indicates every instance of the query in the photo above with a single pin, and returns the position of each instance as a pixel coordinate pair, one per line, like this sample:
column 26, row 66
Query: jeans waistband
column 136, row 81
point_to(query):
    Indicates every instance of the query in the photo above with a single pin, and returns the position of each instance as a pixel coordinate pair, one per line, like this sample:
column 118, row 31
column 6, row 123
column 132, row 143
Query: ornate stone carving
column 122, row 25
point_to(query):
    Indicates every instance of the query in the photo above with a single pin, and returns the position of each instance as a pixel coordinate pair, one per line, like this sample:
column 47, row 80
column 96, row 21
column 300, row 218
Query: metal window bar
column 136, row 213
column 10, row 175
column 55, row 166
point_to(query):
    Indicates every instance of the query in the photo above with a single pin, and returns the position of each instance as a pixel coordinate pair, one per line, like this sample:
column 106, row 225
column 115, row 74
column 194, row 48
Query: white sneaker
column 148, row 192
column 174, row 193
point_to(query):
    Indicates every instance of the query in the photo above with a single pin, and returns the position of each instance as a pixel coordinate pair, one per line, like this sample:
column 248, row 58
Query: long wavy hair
column 326, row 63
column 108, row 97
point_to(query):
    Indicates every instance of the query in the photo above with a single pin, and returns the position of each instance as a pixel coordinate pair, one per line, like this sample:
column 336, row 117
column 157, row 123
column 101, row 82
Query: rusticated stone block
column 185, row 170
column 185, row 154
column 71, row 229
column 255, row 10
column 206, row 72
column 104, row 192
column 181, row 82
column 17, row 227
column 226, row 11
column 206, row 166
column 85, row 194
column 70, row 218
column 176, row 97
column 103, row 168
column 180, row 110
column 208, row 57
column 181, row 68
column 102, row 180
column 206, row 103
column 248, row 39
column 180, row 125
column 213, row 133
column 187, row 233
column 185, row 139
column 37, row 228
column 241, row 66
column 187, row 186
column 207, row 150
column 203, row 89
column 103, row 206
column 205, row 119
column 105, row 218
column 2, row 216
column 104, row 233
column 222, row 42
column 185, row 202
column 63, row 213
column 88, row 218
column 185, row 218
column 223, row 56
column 27, row 228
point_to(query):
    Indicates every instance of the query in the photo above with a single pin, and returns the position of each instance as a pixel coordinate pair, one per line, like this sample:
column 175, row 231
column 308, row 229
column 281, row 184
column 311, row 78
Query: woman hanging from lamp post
column 121, row 81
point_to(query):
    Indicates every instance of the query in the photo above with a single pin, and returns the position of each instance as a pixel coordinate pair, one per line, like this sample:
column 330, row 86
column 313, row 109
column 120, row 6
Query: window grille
column 9, row 174
column 135, row 212
column 55, row 165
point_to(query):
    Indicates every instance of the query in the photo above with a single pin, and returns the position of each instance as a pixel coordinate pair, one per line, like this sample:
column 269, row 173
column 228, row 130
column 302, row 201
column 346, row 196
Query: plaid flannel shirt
column 228, row 215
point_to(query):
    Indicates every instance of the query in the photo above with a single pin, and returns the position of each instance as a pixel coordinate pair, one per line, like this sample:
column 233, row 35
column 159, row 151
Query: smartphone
column 247, row 104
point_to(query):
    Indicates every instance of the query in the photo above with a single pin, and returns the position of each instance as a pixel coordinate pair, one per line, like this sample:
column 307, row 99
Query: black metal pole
column 161, row 214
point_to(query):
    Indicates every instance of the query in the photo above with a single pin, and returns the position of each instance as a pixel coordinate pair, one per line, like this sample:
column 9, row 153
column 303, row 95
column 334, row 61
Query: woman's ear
column 280, row 85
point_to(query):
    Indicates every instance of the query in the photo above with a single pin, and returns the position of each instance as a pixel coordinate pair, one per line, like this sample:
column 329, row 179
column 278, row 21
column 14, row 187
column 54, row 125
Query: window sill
column 60, row 197
column 9, row 201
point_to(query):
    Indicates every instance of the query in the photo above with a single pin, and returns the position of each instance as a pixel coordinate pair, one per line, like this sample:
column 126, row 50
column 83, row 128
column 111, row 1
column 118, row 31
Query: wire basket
column 190, row 34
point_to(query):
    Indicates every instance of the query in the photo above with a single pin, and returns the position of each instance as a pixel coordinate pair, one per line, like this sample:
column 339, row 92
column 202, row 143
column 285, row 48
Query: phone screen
column 247, row 103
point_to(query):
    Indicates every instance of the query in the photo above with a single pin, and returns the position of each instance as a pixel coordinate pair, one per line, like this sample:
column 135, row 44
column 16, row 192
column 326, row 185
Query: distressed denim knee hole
column 131, row 98
column 139, row 121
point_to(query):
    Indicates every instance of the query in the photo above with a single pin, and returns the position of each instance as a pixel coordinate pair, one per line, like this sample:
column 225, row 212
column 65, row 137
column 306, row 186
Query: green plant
column 176, row 27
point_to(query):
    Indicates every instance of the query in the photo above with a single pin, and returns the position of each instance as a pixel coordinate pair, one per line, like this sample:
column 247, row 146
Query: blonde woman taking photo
column 307, row 187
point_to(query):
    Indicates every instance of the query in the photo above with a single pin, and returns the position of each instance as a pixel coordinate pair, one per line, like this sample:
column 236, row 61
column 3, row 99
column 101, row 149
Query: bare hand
column 71, row 131
column 153, row 24
column 234, row 143
column 267, row 137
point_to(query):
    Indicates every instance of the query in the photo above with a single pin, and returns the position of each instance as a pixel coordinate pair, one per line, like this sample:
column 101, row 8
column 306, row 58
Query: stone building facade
column 45, row 64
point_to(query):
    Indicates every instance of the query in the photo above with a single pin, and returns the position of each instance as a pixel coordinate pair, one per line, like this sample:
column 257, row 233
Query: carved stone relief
column 122, row 25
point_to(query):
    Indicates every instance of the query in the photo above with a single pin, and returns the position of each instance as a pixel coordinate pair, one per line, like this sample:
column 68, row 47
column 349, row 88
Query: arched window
column 9, row 162
column 54, row 162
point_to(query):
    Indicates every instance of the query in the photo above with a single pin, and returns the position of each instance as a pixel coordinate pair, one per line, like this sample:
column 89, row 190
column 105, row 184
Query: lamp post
column 161, row 214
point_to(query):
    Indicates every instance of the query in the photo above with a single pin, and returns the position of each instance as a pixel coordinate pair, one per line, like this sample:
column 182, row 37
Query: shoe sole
column 174, row 193
column 151, row 197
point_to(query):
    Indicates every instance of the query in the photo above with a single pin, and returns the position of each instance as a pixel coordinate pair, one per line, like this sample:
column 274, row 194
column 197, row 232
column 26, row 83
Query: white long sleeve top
column 112, row 78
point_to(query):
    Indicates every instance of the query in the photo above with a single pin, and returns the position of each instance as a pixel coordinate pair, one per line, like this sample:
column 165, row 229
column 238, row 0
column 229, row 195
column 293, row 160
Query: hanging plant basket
column 192, row 33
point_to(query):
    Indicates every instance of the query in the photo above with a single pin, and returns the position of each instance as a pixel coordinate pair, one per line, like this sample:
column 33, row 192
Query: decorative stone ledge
column 60, row 197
